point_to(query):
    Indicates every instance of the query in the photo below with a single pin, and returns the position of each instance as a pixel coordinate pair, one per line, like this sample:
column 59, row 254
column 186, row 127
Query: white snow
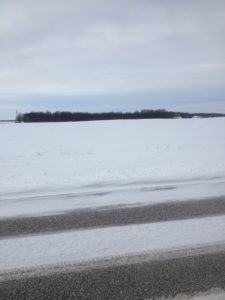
column 213, row 294
column 50, row 167
column 220, row 295
column 130, row 195
column 85, row 245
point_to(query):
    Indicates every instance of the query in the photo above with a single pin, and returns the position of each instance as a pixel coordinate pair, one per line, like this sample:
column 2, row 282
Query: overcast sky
column 100, row 55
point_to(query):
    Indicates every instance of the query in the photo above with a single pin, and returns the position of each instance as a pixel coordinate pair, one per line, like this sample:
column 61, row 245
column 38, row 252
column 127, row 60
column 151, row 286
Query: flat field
column 157, row 159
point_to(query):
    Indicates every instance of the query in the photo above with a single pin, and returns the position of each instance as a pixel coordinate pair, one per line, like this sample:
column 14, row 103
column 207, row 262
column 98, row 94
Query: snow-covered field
column 50, row 167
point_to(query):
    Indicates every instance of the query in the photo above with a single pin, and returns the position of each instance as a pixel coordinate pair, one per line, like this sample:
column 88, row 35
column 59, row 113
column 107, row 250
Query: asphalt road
column 137, row 278
column 146, row 276
column 112, row 216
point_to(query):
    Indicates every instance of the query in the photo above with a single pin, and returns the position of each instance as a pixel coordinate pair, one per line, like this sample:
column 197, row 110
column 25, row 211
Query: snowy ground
column 210, row 296
column 50, row 167
column 47, row 169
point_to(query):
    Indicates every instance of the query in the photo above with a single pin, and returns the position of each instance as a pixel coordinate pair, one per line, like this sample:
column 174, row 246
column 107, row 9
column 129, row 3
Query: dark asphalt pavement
column 138, row 280
column 112, row 216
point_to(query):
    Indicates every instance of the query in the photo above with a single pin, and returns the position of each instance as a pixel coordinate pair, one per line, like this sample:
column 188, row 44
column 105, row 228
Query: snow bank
column 133, row 194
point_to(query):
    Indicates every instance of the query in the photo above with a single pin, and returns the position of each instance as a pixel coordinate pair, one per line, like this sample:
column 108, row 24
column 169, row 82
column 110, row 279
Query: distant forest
column 66, row 116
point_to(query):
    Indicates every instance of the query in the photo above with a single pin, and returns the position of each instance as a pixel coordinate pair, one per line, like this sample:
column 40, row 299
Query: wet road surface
column 139, row 278
column 111, row 216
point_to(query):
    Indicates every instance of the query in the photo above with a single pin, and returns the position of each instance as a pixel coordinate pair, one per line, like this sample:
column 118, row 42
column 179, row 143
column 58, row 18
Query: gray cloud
column 102, row 47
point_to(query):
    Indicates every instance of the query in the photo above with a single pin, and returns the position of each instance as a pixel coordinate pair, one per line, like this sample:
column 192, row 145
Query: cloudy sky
column 101, row 55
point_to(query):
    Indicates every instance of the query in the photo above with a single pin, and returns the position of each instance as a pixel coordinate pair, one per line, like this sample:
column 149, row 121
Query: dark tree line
column 66, row 116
